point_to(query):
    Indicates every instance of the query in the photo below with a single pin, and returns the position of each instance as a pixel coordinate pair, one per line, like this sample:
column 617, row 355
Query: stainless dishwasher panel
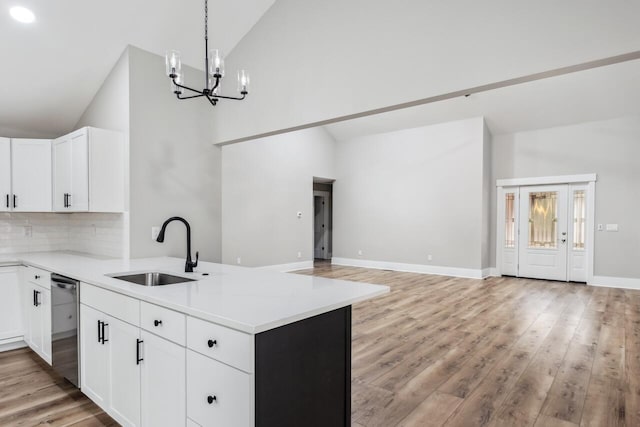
column 64, row 327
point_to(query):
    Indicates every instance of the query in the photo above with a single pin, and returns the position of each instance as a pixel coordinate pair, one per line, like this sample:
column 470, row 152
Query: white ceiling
column 595, row 94
column 50, row 70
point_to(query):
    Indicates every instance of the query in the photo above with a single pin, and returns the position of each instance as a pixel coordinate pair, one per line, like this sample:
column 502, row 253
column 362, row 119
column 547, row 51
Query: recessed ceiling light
column 22, row 14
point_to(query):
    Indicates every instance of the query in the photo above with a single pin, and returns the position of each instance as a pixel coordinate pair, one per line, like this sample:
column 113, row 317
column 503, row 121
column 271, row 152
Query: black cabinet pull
column 7, row 201
column 34, row 297
column 100, row 331
column 211, row 343
column 64, row 202
column 37, row 303
column 103, row 338
column 157, row 322
column 36, row 277
column 138, row 358
column 212, row 399
column 15, row 201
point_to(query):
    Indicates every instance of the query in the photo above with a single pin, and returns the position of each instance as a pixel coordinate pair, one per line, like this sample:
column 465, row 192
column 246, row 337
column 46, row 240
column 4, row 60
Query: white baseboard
column 615, row 282
column 413, row 268
column 12, row 344
column 284, row 268
column 493, row 272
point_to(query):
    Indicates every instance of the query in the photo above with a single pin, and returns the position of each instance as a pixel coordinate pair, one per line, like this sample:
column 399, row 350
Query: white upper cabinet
column 31, row 175
column 5, row 174
column 89, row 171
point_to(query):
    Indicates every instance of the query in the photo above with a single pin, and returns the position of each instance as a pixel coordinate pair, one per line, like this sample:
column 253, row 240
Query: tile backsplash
column 93, row 233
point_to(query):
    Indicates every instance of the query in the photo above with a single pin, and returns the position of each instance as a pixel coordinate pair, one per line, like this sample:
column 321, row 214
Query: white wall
column 318, row 60
column 265, row 183
column 175, row 169
column 401, row 196
column 609, row 148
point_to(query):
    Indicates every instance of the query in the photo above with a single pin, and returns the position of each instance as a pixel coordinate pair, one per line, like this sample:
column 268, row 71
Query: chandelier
column 214, row 72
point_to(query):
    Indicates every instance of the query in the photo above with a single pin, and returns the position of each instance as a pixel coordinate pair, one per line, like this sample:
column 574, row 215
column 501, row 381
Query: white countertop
column 251, row 300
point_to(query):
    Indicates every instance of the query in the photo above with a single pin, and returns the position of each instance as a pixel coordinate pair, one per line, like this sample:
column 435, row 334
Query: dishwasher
column 65, row 312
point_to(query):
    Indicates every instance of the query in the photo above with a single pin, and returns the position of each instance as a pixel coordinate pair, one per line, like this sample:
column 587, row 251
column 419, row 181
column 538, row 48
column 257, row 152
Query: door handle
column 103, row 339
column 35, row 298
column 15, row 201
column 138, row 358
column 7, row 201
column 99, row 331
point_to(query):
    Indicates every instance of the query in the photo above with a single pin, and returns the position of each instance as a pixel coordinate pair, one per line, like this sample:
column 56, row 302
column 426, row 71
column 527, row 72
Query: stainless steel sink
column 151, row 278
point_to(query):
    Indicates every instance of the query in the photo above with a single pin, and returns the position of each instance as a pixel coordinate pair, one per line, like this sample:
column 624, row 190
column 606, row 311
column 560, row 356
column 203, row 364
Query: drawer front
column 38, row 277
column 218, row 342
column 114, row 304
column 218, row 395
column 166, row 323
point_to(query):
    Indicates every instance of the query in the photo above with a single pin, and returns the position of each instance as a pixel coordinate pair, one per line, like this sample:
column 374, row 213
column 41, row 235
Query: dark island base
column 303, row 373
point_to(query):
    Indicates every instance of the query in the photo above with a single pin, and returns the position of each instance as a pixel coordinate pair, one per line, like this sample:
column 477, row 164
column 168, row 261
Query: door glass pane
column 509, row 221
column 543, row 216
column 579, row 219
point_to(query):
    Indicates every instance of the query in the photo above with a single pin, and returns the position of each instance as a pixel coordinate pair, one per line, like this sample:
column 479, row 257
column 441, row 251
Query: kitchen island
column 235, row 346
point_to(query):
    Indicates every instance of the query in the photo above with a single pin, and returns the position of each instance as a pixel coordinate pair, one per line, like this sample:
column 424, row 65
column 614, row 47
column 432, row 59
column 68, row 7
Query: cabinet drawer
column 114, row 304
column 38, row 276
column 161, row 321
column 218, row 342
column 229, row 390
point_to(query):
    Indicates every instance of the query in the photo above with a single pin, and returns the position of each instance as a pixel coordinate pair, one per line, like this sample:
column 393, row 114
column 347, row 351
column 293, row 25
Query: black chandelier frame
column 207, row 92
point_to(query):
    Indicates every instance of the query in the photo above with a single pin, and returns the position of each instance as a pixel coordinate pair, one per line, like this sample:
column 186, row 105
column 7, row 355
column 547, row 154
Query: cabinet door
column 124, row 372
column 163, row 382
column 61, row 173
column 35, row 320
column 94, row 355
column 79, row 200
column 5, row 174
column 27, row 304
column 31, row 175
column 10, row 310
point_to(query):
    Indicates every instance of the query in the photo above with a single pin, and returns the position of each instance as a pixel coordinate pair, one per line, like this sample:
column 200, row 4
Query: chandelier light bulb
column 243, row 82
column 173, row 62
column 216, row 62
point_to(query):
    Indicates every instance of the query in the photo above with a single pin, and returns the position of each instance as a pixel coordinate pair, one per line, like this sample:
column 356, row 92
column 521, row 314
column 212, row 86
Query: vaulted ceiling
column 51, row 69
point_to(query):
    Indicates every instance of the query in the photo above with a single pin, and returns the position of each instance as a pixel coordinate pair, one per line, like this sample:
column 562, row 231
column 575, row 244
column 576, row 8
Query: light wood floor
column 496, row 352
column 440, row 351
column 31, row 394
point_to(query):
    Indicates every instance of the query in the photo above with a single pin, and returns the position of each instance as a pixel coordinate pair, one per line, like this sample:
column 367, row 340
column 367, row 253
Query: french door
column 542, row 232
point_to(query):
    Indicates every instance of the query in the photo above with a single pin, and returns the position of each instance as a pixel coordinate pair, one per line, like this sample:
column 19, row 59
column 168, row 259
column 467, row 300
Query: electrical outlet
column 359, row 252
column 429, row 257
column 155, row 230
column 28, row 231
column 238, row 261
column 299, row 255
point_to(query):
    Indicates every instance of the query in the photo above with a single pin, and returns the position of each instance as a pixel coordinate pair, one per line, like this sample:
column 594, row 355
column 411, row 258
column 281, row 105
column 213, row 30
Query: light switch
column 612, row 227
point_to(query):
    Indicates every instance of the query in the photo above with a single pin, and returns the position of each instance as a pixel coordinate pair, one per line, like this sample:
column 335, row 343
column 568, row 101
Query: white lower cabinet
column 110, row 366
column 10, row 306
column 143, row 376
column 37, row 318
column 123, row 342
column 163, row 382
column 94, row 364
column 217, row 394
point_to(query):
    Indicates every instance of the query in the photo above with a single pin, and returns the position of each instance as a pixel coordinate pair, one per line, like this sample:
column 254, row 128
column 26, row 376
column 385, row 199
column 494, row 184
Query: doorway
column 545, row 231
column 322, row 219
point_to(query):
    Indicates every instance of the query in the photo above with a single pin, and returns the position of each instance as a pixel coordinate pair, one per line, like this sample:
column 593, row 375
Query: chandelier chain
column 206, row 19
